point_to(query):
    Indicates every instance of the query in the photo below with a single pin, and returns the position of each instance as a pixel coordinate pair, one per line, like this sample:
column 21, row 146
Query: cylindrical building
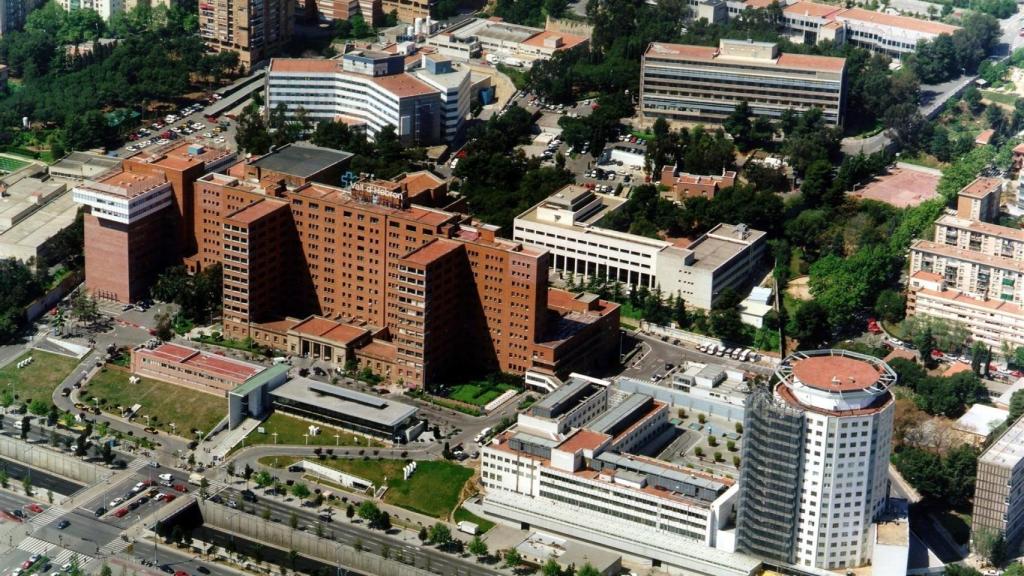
column 815, row 460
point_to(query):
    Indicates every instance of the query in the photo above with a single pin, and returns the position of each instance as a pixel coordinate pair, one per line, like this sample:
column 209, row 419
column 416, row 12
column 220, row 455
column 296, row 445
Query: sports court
column 902, row 186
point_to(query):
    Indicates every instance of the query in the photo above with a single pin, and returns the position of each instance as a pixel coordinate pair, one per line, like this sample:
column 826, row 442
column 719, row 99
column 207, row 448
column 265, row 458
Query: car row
column 737, row 353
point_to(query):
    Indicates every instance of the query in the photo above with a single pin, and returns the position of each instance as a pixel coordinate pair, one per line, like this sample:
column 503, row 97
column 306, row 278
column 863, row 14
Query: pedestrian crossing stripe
column 65, row 556
column 113, row 547
column 34, row 545
column 48, row 515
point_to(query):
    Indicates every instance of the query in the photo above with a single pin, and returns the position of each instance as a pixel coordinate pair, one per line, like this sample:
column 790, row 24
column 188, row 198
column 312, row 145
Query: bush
column 718, row 457
column 712, row 441
column 699, row 452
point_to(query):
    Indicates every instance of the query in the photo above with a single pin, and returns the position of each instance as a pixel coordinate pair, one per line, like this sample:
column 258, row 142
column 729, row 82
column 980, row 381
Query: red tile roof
column 915, row 24
column 214, row 364
column 980, row 187
column 812, row 9
column 583, row 440
column 429, row 253
column 708, row 53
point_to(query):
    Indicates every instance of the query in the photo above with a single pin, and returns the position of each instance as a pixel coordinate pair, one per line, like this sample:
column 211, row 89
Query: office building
column 140, row 217
column 890, row 34
column 371, row 90
column 704, row 84
column 572, row 466
column 472, row 37
column 34, row 211
column 567, row 224
column 999, row 490
column 256, row 30
column 346, row 408
column 191, row 368
column 973, row 270
column 815, row 460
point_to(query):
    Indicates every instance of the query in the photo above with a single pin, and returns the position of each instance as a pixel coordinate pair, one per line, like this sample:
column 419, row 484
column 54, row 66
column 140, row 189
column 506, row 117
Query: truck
column 515, row 62
column 195, row 479
column 469, row 528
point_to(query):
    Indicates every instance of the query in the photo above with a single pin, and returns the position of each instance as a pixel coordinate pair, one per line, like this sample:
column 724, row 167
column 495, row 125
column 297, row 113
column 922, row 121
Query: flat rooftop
column 835, row 373
column 83, row 166
column 224, row 367
column 981, row 187
column 495, row 29
column 256, row 211
column 118, row 182
column 384, row 412
column 721, row 244
column 24, row 239
column 707, row 54
column 301, row 160
column 26, row 196
column 1008, row 449
column 182, row 154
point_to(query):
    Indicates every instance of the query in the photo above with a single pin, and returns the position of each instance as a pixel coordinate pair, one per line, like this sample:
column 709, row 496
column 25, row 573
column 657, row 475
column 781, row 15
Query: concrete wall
column 37, row 308
column 43, row 457
column 567, row 26
column 281, row 536
column 679, row 398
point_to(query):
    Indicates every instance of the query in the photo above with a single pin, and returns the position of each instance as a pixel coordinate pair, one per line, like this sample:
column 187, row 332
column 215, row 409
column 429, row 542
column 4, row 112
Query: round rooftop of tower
column 834, row 380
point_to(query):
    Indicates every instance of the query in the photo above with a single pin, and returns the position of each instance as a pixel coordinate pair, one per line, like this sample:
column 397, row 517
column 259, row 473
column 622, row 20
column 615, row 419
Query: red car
column 181, row 573
column 33, row 507
column 169, row 497
column 181, row 488
column 121, row 512
column 25, row 565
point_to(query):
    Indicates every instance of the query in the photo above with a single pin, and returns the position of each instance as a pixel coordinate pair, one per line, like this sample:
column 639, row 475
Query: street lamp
column 337, row 439
column 306, row 436
column 274, row 434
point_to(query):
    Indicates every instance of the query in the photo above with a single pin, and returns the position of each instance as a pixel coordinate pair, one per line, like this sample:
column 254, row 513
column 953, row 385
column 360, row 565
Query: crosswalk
column 34, row 545
column 49, row 515
column 113, row 547
column 137, row 464
column 65, row 556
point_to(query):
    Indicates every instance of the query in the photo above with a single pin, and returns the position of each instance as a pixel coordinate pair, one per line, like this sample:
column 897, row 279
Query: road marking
column 65, row 556
column 48, row 516
column 34, row 545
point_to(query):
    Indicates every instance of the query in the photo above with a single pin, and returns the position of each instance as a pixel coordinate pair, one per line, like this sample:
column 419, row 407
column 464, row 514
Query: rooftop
column 333, row 398
column 812, row 9
column 981, row 419
column 432, row 251
column 569, row 41
column 256, row 211
column 1008, row 449
column 584, row 440
column 182, row 154
column 320, row 327
column 301, row 159
column 117, row 182
column 83, row 165
column 340, row 196
column 895, row 21
column 224, row 367
column 981, row 187
column 784, row 61
column 402, row 85
column 835, row 373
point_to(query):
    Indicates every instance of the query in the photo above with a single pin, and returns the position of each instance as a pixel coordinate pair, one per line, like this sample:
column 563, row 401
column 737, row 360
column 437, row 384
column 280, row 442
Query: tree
column 551, row 568
column 422, row 534
column 512, row 558
column 247, row 472
column 817, row 184
column 350, row 511
column 5, row 478
column 293, row 558
column 26, row 485
column 588, row 570
column 253, row 134
column 39, row 407
column 84, row 307
column 293, row 520
column 809, row 325
column 105, row 570
column 440, row 535
column 163, row 329
column 925, row 343
column 1016, row 406
column 890, row 305
column 477, row 546
column 368, row 510
column 300, row 491
column 231, row 468
column 738, row 125
column 26, row 425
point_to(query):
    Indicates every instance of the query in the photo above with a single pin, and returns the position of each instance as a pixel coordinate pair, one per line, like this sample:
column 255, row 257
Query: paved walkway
column 226, row 441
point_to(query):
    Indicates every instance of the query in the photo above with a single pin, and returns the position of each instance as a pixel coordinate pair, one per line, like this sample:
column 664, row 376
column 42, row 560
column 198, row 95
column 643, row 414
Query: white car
column 220, row 140
column 454, row 163
column 115, row 502
column 208, row 134
column 166, row 477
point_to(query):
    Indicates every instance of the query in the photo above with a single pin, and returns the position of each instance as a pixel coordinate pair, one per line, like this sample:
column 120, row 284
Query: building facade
column 973, row 270
column 372, row 90
column 183, row 366
column 999, row 491
column 826, row 428
column 255, row 29
column 704, row 84
column 567, row 225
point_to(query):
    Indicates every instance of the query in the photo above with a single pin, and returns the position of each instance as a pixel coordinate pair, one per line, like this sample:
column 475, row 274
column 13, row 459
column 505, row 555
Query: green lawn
column 433, row 490
column 38, row 379
column 463, row 515
column 479, row 393
column 1000, row 97
column 165, row 403
column 290, row 430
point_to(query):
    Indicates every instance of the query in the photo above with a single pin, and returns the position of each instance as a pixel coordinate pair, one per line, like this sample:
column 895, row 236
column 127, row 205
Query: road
column 651, row 359
column 41, row 480
column 372, row 541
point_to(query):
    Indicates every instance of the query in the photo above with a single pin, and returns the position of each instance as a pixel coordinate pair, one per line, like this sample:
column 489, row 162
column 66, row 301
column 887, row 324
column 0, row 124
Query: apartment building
column 407, row 10
column 999, row 490
column 567, row 224
column 371, row 90
column 973, row 270
column 704, row 84
column 571, row 465
column 815, row 460
column 105, row 8
column 255, row 29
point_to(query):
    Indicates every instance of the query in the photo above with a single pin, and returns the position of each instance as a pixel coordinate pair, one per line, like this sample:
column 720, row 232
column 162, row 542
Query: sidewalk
column 226, row 442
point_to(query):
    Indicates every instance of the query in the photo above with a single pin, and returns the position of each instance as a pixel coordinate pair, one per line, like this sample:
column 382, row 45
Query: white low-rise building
column 473, row 36
column 567, row 225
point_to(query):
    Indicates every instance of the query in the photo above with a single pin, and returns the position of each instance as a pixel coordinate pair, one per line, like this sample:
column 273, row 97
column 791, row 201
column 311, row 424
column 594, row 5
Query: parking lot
column 186, row 122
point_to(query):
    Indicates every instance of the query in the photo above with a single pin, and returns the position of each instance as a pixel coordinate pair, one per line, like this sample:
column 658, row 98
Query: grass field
column 1000, row 97
column 478, row 393
column 433, row 490
column 165, row 403
column 463, row 515
column 290, row 430
column 38, row 379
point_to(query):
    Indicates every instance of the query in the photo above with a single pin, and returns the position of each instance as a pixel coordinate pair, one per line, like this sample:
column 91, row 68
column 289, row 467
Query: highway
column 373, row 541
column 40, row 480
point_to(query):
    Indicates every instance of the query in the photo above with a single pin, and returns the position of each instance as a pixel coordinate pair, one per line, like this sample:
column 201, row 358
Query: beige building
column 567, row 225
column 999, row 490
column 704, row 84
column 256, row 30
column 973, row 271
